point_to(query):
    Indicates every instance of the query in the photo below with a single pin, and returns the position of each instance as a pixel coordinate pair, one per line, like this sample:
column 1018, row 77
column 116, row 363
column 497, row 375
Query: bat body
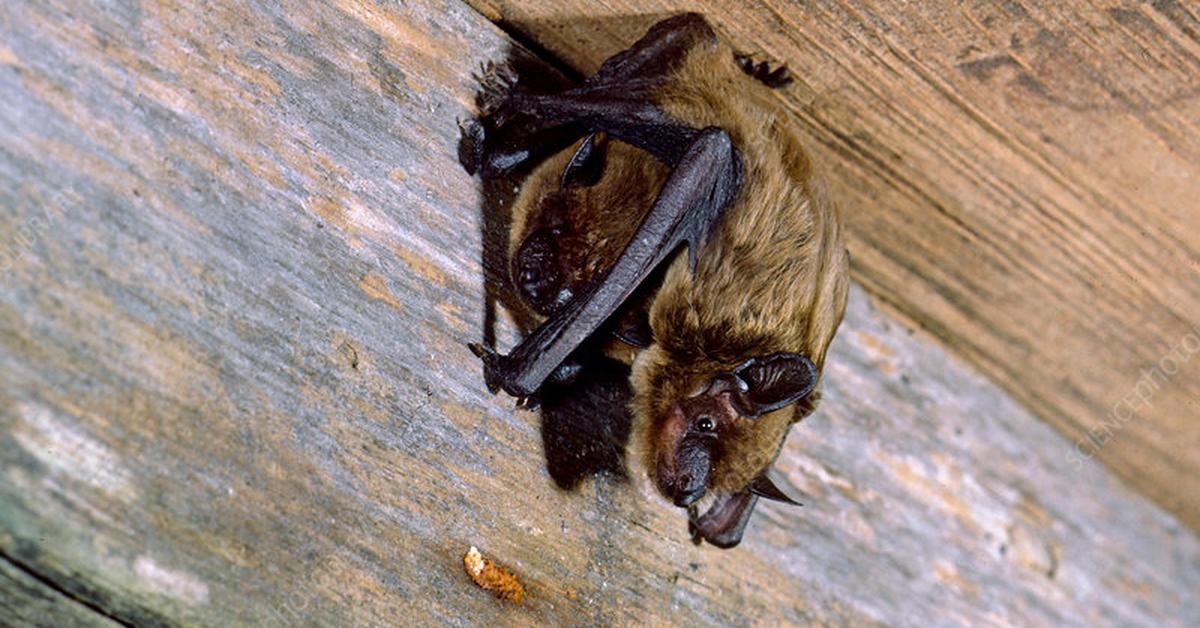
column 676, row 224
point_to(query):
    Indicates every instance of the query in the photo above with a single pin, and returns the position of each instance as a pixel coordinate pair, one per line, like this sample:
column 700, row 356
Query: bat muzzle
column 685, row 481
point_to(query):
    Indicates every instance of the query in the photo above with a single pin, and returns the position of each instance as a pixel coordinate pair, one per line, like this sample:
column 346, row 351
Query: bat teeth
column 526, row 403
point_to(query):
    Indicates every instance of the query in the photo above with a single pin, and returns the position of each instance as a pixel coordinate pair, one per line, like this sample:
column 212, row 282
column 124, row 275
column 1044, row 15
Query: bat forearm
column 690, row 204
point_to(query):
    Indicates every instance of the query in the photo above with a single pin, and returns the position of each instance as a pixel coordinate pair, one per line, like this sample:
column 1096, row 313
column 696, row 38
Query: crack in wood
column 63, row 592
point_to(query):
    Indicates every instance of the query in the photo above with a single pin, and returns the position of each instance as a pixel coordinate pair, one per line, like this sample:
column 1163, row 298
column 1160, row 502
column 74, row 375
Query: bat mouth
column 720, row 519
column 703, row 506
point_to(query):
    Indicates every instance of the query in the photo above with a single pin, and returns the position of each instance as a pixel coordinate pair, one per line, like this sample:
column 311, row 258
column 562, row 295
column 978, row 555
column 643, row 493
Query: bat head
column 709, row 435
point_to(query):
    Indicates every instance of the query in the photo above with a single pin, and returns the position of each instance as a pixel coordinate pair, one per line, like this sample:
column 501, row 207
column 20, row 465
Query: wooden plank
column 27, row 601
column 1019, row 179
column 234, row 388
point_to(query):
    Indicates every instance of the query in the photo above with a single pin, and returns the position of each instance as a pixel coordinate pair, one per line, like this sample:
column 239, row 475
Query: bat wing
column 527, row 127
column 706, row 178
column 657, row 53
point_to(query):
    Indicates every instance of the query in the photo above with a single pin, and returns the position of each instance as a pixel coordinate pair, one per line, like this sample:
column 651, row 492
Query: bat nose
column 693, row 464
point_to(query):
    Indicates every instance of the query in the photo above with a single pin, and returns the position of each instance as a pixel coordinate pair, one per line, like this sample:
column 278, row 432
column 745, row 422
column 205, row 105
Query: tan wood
column 1021, row 180
column 234, row 387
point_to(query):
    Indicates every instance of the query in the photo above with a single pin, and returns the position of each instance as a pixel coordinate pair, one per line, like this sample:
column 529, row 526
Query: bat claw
column 763, row 72
column 491, row 360
column 494, row 364
column 497, row 81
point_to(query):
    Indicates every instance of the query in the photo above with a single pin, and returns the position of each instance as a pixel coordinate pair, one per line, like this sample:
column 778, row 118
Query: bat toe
column 496, row 82
column 763, row 72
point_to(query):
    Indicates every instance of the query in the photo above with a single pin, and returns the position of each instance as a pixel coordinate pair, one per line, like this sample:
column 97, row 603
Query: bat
column 676, row 144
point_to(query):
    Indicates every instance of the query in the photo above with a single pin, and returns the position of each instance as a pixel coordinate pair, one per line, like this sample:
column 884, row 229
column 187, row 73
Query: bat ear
column 586, row 165
column 770, row 486
column 772, row 382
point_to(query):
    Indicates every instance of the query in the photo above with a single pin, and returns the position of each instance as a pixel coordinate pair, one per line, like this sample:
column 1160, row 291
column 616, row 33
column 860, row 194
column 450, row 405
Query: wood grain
column 234, row 388
column 27, row 601
column 1020, row 180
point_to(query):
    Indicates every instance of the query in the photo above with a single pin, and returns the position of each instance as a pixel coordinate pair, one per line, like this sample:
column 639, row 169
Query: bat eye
column 705, row 424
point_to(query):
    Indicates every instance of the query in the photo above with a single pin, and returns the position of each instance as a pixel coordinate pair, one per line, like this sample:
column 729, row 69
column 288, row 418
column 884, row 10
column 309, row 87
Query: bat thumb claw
column 489, row 357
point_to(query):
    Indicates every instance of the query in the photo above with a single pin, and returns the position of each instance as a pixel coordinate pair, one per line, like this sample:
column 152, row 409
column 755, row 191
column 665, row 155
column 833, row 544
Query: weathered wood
column 27, row 601
column 234, row 388
column 1020, row 179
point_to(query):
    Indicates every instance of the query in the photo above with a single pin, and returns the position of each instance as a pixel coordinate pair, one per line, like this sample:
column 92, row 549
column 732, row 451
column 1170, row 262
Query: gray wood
column 234, row 388
column 27, row 601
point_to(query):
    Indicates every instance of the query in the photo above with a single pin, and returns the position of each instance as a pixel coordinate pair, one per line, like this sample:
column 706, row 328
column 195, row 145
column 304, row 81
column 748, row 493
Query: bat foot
column 471, row 145
column 774, row 78
column 496, row 81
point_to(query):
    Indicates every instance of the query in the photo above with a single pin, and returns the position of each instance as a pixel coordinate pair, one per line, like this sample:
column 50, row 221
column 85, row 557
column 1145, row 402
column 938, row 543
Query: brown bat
column 676, row 143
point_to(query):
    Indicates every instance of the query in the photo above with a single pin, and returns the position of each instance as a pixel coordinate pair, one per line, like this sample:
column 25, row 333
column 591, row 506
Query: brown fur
column 772, row 277
column 598, row 221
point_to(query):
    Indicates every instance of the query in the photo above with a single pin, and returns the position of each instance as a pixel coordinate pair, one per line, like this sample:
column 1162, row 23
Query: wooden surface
column 25, row 600
column 234, row 388
column 1021, row 179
